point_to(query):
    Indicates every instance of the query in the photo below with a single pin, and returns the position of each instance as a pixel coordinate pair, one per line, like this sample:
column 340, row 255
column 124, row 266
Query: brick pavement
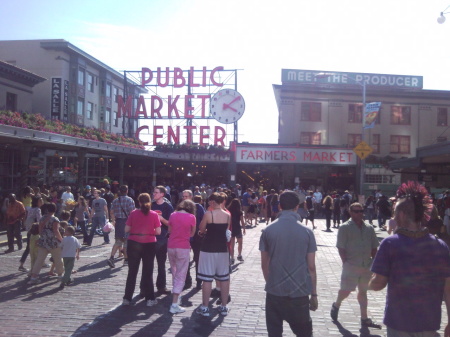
column 91, row 307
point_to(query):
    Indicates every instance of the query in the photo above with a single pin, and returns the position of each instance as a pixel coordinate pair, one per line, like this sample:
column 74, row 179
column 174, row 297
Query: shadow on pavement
column 365, row 332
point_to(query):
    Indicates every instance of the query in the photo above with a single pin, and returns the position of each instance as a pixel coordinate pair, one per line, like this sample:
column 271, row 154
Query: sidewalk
column 91, row 306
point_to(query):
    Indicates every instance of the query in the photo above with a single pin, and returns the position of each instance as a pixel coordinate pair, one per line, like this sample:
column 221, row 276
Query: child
column 70, row 250
column 34, row 238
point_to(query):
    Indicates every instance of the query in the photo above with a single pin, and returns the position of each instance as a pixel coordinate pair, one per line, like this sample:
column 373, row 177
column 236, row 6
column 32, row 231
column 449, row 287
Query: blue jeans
column 82, row 225
column 295, row 311
column 98, row 221
column 14, row 231
column 381, row 220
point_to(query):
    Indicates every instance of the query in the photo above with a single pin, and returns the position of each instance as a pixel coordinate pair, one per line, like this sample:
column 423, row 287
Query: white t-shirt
column 66, row 196
column 69, row 246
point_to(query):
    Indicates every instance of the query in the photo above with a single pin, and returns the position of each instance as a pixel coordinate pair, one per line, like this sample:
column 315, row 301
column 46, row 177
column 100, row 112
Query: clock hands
column 228, row 106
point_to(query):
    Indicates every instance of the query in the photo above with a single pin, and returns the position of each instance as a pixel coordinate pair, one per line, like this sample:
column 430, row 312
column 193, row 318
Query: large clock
column 227, row 106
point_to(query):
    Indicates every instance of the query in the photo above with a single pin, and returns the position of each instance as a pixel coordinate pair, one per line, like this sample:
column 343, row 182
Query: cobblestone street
column 91, row 306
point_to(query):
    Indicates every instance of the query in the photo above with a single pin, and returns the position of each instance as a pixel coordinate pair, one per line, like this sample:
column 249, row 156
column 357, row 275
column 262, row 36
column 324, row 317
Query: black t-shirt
column 166, row 210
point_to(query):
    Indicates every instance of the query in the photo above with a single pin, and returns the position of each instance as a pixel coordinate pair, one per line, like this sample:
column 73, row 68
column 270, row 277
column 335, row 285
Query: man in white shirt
column 66, row 196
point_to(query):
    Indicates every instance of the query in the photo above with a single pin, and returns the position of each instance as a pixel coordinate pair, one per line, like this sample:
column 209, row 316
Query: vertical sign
column 370, row 114
column 56, row 98
column 66, row 101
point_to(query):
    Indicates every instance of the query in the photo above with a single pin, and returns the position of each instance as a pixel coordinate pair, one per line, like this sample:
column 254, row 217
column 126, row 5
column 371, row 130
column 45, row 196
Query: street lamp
column 363, row 85
column 441, row 18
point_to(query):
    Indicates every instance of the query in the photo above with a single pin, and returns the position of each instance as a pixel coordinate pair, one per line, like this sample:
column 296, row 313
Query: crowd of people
column 208, row 221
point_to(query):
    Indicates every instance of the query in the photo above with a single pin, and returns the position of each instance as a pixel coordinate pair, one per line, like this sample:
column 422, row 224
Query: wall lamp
column 441, row 18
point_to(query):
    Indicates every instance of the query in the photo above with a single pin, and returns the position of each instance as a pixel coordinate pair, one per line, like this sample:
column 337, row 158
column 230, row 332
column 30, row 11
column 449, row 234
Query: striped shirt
column 121, row 204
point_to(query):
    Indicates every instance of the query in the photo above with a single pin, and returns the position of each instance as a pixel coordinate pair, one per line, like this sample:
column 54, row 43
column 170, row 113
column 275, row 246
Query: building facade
column 80, row 89
column 318, row 108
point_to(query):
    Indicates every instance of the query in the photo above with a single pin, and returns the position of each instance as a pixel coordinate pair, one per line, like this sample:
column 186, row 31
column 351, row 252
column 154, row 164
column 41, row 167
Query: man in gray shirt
column 289, row 268
column 98, row 216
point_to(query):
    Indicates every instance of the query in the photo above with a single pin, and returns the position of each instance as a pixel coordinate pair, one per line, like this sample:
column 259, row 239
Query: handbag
column 228, row 235
column 108, row 227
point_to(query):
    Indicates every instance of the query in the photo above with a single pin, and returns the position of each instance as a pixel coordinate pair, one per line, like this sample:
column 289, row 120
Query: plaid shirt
column 121, row 204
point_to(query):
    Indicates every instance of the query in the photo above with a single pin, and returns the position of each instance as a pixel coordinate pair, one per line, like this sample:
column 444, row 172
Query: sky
column 258, row 36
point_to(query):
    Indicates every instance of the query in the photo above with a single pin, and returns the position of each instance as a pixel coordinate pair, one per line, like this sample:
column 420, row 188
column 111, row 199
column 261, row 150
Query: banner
column 370, row 114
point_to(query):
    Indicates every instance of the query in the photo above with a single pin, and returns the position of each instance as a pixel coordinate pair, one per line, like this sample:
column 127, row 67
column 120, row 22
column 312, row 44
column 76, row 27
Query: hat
column 88, row 187
column 115, row 182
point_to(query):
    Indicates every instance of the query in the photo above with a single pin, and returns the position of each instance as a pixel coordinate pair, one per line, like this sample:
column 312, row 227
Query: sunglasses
column 357, row 211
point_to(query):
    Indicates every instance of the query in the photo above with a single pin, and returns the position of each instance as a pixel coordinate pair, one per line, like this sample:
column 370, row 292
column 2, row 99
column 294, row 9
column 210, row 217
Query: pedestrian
column 309, row 206
column 328, row 211
column 164, row 209
column 288, row 265
column 237, row 228
column 196, row 240
column 121, row 208
column 70, row 250
column 370, row 208
column 269, row 206
column 143, row 225
column 336, row 211
column 81, row 210
column 415, row 266
column 384, row 211
column 214, row 255
column 33, row 216
column 15, row 214
column 357, row 245
column 181, row 227
column 67, row 195
column 98, row 215
column 49, row 242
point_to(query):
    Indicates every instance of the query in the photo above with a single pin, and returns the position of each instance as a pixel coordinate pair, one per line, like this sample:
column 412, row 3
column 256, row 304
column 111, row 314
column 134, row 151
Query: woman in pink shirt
column 142, row 225
column 181, row 228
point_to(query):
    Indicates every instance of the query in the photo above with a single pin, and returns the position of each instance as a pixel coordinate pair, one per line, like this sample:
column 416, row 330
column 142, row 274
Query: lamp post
column 362, row 84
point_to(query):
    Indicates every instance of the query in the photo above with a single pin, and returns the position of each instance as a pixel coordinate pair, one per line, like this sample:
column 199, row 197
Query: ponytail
column 145, row 203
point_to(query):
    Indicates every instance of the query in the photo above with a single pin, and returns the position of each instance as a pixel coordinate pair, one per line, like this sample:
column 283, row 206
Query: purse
column 108, row 227
column 228, row 235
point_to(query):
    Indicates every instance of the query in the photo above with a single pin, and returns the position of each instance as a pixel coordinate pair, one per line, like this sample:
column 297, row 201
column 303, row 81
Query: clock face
column 227, row 106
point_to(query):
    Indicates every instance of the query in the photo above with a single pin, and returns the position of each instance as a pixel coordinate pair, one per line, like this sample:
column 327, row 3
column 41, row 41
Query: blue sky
column 260, row 37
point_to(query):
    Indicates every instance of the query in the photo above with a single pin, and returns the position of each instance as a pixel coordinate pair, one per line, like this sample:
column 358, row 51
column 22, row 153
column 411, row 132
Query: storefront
column 273, row 166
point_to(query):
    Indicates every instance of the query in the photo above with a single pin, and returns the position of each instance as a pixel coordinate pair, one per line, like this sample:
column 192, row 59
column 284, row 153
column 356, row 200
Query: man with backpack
column 309, row 205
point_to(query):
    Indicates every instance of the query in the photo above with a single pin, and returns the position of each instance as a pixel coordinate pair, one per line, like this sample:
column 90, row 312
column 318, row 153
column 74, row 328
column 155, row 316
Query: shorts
column 311, row 215
column 214, row 266
column 119, row 228
column 237, row 234
column 353, row 276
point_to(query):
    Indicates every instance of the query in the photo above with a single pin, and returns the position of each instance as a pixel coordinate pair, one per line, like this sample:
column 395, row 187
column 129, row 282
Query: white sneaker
column 151, row 303
column 175, row 309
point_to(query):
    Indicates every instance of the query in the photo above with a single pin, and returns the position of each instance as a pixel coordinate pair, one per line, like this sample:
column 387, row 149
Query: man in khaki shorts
column 357, row 245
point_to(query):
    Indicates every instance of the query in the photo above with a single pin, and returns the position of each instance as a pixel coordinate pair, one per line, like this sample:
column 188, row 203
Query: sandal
column 368, row 323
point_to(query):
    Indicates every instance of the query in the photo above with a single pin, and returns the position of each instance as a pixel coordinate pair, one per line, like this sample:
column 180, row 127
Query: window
column 90, row 110
column 11, row 101
column 442, row 117
column 310, row 138
column 311, row 112
column 80, row 76
column 116, row 93
column 355, row 113
column 80, row 107
column 108, row 90
column 400, row 115
column 353, row 139
column 90, row 82
column 400, row 144
column 115, row 119
column 108, row 116
column 375, row 143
